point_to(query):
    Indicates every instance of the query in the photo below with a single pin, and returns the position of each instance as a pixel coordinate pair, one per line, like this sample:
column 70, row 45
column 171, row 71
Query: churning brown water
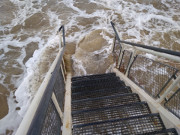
column 28, row 41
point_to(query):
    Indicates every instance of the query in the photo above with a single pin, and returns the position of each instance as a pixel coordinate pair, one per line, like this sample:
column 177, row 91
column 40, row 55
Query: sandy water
column 29, row 41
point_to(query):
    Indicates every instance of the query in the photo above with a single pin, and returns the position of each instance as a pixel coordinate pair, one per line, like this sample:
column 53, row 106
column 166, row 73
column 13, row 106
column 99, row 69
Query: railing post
column 64, row 77
column 171, row 87
column 64, row 67
column 114, row 43
column 54, row 99
column 130, row 62
column 120, row 56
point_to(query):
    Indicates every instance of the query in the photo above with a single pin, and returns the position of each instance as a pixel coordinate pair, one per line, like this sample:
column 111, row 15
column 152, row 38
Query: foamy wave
column 31, row 82
column 12, row 119
column 79, row 68
column 136, row 22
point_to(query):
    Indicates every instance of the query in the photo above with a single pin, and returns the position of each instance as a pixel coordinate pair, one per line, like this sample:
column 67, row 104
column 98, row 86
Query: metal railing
column 46, row 117
column 173, row 103
column 156, row 78
column 126, row 57
column 151, row 75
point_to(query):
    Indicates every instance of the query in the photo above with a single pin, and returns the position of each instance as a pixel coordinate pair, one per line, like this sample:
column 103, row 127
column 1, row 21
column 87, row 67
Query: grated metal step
column 98, row 86
column 78, row 78
column 107, row 113
column 170, row 131
column 106, row 101
column 102, row 104
column 95, row 81
column 100, row 93
column 134, row 125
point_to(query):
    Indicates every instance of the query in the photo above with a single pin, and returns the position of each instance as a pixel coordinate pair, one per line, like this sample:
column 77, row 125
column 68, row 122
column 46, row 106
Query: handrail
column 171, row 55
column 34, row 124
column 41, row 110
column 116, row 37
column 63, row 33
column 145, row 46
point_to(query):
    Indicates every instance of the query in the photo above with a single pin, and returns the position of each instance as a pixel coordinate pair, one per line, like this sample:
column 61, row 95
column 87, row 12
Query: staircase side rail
column 125, row 65
column 173, row 53
column 44, row 116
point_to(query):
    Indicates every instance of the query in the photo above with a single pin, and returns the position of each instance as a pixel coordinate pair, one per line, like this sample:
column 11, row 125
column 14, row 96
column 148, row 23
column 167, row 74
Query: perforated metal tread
column 129, row 126
column 99, row 107
column 107, row 113
column 92, row 76
column 100, row 93
column 95, row 81
column 98, row 86
column 106, row 101
column 170, row 131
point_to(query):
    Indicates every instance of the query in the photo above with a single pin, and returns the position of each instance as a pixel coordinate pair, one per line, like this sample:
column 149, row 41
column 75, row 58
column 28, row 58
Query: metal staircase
column 103, row 104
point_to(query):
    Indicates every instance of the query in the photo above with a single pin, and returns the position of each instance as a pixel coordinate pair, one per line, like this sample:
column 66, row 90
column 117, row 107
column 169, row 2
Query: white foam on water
column 25, row 10
column 24, row 93
column 132, row 14
column 10, row 121
column 80, row 68
column 32, row 74
column 136, row 20
column 70, row 4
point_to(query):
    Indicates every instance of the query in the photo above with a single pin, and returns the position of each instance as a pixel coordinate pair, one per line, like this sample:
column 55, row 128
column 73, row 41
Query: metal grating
column 89, row 83
column 101, row 93
column 95, row 81
column 115, row 86
column 125, row 61
column 52, row 122
column 173, row 104
column 59, row 89
column 88, row 77
column 104, row 101
column 152, row 76
column 102, row 114
column 170, row 131
column 98, row 86
column 134, row 125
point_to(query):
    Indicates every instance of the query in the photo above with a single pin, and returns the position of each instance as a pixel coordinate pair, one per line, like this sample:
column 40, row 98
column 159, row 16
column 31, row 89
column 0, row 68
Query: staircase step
column 97, row 86
column 100, row 93
column 103, row 104
column 95, row 81
column 107, row 113
column 78, row 78
column 134, row 125
column 170, row 131
column 94, row 90
column 106, row 101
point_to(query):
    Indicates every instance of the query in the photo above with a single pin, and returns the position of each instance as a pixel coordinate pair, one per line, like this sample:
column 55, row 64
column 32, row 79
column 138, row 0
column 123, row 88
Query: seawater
column 29, row 41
